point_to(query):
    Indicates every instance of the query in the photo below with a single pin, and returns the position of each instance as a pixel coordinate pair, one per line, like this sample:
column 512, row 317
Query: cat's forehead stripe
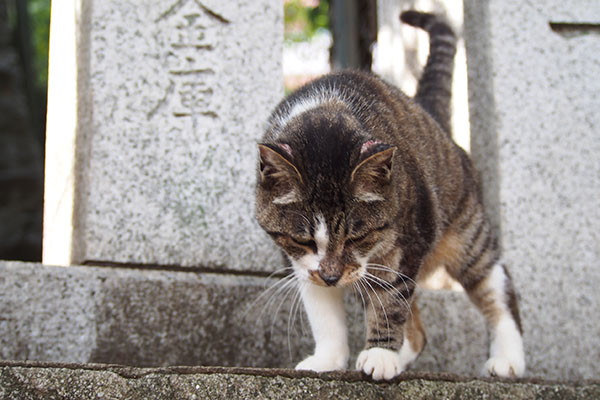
column 318, row 96
column 303, row 106
column 321, row 235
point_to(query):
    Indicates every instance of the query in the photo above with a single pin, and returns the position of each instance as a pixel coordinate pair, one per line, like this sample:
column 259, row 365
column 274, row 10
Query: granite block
column 534, row 100
column 144, row 317
column 154, row 318
column 152, row 137
column 46, row 313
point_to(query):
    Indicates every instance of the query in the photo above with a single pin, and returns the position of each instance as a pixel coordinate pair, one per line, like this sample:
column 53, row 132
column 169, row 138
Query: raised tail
column 434, row 91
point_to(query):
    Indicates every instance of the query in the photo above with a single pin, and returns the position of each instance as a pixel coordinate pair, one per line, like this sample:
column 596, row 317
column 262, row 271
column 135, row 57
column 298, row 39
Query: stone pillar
column 154, row 113
column 534, row 97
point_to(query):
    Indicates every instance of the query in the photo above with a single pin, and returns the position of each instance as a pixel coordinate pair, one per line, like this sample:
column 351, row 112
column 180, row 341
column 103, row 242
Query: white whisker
column 284, row 288
column 389, row 288
column 387, row 322
column 266, row 291
column 288, row 290
column 280, row 270
column 287, row 282
column 291, row 319
column 301, row 288
column 381, row 267
column 362, row 281
column 355, row 290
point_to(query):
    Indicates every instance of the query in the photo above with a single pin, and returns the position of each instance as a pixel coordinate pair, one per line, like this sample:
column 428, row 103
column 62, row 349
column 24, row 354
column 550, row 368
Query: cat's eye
column 382, row 227
column 358, row 240
column 305, row 243
column 362, row 238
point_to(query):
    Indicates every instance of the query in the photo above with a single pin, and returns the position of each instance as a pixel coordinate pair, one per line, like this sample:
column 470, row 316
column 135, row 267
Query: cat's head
column 325, row 194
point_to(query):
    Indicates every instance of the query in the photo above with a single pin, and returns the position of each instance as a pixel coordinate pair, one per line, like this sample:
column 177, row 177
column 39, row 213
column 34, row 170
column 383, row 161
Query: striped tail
column 434, row 92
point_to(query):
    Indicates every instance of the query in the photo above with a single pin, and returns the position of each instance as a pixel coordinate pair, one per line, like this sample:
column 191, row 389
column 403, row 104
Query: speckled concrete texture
column 39, row 381
column 457, row 340
column 46, row 313
column 144, row 317
column 534, row 100
column 157, row 318
column 171, row 99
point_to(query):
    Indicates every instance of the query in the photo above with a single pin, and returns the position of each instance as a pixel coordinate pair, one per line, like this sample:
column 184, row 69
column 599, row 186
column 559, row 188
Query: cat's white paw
column 507, row 358
column 380, row 363
column 504, row 367
column 324, row 362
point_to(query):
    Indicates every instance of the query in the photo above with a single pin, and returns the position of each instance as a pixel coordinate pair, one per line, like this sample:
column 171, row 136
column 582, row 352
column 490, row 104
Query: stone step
column 87, row 381
column 150, row 318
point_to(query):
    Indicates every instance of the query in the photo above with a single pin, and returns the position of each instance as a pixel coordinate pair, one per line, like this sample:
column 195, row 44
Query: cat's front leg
column 327, row 316
column 395, row 334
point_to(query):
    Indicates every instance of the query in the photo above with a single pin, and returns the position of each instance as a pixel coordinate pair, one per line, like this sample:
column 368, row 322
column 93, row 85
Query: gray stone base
column 38, row 381
column 141, row 317
column 153, row 318
column 145, row 318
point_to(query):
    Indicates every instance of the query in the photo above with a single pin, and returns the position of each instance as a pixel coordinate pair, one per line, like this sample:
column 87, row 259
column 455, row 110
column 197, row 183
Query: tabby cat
column 363, row 188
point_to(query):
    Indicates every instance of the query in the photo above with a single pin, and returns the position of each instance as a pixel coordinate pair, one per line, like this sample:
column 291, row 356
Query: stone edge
column 342, row 376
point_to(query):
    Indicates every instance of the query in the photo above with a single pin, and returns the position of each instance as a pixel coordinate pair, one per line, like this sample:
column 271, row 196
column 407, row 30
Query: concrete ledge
column 43, row 381
column 141, row 317
column 150, row 318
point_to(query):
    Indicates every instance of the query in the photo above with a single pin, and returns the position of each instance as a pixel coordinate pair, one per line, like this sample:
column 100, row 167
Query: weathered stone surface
column 170, row 100
column 143, row 317
column 46, row 313
column 158, row 318
column 535, row 96
column 39, row 381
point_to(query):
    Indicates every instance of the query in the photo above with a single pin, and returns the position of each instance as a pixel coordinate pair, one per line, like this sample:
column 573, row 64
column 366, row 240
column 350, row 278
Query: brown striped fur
column 395, row 195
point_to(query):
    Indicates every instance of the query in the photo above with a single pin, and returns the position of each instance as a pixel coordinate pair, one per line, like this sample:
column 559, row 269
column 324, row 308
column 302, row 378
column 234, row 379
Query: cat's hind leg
column 495, row 297
column 474, row 263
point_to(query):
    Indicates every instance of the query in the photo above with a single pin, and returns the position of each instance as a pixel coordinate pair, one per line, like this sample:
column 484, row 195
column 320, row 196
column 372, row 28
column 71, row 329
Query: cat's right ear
column 278, row 173
column 273, row 165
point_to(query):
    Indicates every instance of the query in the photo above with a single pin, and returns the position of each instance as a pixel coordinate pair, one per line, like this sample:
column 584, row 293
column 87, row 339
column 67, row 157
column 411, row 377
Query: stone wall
column 534, row 101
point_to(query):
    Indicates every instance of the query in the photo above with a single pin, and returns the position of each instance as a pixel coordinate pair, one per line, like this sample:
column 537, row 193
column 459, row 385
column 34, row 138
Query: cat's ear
column 278, row 173
column 273, row 162
column 373, row 173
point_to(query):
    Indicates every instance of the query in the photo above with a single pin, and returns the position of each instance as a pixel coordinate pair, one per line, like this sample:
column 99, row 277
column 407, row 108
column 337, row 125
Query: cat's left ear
column 372, row 173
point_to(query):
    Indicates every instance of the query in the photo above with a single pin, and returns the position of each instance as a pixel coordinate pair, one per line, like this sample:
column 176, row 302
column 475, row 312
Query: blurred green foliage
column 39, row 17
column 303, row 22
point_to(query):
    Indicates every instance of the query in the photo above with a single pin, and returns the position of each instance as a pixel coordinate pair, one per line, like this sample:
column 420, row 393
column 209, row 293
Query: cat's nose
column 330, row 280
